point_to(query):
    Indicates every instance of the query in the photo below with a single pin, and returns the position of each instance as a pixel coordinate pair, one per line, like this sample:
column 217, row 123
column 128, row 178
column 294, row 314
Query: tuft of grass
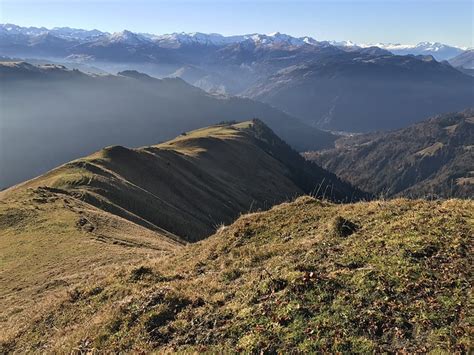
column 342, row 227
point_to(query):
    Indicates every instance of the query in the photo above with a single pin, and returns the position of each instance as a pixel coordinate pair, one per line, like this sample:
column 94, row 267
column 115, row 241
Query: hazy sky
column 402, row 21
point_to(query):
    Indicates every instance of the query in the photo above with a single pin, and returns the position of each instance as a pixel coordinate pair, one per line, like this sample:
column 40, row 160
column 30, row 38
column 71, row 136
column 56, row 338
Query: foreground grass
column 304, row 276
column 51, row 242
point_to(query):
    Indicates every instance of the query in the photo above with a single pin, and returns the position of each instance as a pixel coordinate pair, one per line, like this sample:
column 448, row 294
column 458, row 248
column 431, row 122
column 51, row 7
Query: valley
column 72, row 114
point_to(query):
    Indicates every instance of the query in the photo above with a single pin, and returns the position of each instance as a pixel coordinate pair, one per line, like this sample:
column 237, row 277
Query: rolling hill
column 432, row 158
column 307, row 276
column 72, row 114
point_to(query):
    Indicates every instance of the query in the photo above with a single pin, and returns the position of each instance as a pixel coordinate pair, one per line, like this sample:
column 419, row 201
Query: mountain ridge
column 130, row 109
column 430, row 159
column 173, row 176
column 121, row 206
column 439, row 50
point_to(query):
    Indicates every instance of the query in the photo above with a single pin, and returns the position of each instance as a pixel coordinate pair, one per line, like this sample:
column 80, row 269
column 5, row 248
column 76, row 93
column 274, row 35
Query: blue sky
column 402, row 21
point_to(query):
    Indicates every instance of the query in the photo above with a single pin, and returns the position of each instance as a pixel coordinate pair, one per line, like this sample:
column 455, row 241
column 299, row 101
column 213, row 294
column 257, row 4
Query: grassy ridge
column 82, row 220
column 304, row 276
column 187, row 186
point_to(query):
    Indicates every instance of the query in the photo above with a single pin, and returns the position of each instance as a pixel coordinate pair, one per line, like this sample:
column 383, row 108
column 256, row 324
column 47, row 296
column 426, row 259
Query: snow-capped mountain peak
column 438, row 50
column 127, row 37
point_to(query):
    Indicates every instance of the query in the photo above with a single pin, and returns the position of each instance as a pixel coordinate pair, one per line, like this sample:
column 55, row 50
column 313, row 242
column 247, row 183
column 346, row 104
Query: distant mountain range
column 70, row 114
column 355, row 93
column 439, row 51
column 434, row 158
column 328, row 85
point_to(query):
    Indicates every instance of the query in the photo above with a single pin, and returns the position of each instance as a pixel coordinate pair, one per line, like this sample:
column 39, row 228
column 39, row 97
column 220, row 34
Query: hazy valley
column 71, row 113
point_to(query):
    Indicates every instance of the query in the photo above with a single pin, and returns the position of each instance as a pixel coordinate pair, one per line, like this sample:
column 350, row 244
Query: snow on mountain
column 276, row 38
column 345, row 44
column 12, row 29
column 125, row 37
column 438, row 50
column 59, row 32
column 177, row 39
column 74, row 33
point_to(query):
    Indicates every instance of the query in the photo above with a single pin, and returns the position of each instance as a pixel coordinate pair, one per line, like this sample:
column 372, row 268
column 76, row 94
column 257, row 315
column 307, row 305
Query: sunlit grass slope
column 119, row 206
column 380, row 276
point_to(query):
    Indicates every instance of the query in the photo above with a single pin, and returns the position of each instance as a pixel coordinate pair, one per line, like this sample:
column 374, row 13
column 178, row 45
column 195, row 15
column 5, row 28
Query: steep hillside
column 120, row 206
column 307, row 276
column 71, row 114
column 191, row 184
column 432, row 158
column 464, row 60
column 357, row 93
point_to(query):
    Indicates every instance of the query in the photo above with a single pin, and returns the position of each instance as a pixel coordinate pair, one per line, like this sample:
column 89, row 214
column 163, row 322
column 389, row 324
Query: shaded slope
column 432, row 158
column 464, row 60
column 189, row 185
column 361, row 93
column 71, row 114
column 285, row 280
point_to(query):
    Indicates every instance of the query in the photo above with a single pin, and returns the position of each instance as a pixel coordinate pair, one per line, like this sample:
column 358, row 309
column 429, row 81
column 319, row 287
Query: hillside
column 363, row 93
column 307, row 276
column 464, row 60
column 72, row 114
column 189, row 185
column 433, row 158
column 120, row 206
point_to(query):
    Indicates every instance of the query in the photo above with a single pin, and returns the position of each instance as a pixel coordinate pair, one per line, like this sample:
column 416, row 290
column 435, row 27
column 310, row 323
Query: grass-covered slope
column 380, row 276
column 50, row 242
column 189, row 185
column 120, row 206
column 432, row 158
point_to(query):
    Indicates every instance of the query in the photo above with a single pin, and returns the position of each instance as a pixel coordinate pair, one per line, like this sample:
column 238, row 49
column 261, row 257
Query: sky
column 361, row 21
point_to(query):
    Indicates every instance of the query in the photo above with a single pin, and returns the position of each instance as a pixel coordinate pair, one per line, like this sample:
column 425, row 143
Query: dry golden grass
column 51, row 242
